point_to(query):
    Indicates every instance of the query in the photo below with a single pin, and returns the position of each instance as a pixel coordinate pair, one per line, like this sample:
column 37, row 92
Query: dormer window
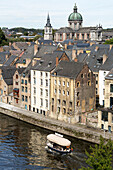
column 49, row 64
column 24, row 61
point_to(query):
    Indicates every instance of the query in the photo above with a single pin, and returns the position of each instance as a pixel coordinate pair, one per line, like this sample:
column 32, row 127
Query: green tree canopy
column 109, row 41
column 100, row 157
column 3, row 40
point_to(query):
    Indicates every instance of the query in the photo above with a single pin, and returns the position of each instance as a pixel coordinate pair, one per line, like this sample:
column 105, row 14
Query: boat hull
column 53, row 150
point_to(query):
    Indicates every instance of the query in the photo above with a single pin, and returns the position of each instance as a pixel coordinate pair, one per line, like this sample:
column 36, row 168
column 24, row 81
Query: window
column 22, row 81
column 59, row 82
column 70, row 104
column 22, row 97
column 64, row 110
column 78, row 84
column 34, row 90
column 25, row 82
column 96, row 82
column 63, row 92
column 111, row 87
column 22, row 88
column 16, row 76
column 34, row 73
column 41, row 74
column 41, row 92
column 55, row 82
column 58, row 101
column 41, row 82
column 67, row 84
column 82, row 75
column 52, row 108
column 23, row 75
column 34, row 80
column 55, row 91
column 105, row 116
column 41, row 102
column 46, row 103
column 96, row 91
column 88, row 75
column 52, row 100
column 24, row 61
column 16, row 83
column 89, row 83
column 77, row 94
column 26, row 98
column 26, row 89
column 67, row 93
column 58, row 109
column 34, row 100
column 46, row 92
column 78, row 103
column 59, row 91
column 63, row 83
column 64, row 103
column 46, row 83
column 103, row 91
column 46, row 74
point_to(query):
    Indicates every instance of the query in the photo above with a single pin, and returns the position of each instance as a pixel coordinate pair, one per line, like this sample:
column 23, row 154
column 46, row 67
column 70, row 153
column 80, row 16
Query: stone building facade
column 72, row 91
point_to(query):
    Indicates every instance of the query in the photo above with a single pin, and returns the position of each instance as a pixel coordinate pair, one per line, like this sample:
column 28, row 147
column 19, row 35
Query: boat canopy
column 58, row 140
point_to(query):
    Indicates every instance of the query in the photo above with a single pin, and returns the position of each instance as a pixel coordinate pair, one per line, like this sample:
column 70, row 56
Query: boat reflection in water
column 57, row 144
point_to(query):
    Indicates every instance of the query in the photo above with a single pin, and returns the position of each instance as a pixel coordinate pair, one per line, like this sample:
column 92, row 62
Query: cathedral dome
column 75, row 16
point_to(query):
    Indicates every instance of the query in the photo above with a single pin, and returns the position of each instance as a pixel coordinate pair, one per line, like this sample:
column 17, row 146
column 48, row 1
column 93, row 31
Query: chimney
column 104, row 58
column 69, row 42
column 74, row 55
column 34, row 62
column 75, row 59
column 35, row 49
column 110, row 46
column 57, row 62
column 65, row 46
column 96, row 48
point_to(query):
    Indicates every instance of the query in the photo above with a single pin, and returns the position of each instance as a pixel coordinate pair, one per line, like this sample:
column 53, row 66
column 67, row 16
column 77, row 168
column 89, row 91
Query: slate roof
column 68, row 69
column 95, row 58
column 10, row 60
column 44, row 49
column 108, row 65
column 8, row 48
column 109, row 76
column 21, row 45
column 48, row 61
column 65, row 30
column 8, row 73
column 28, row 54
column 3, row 57
column 45, row 42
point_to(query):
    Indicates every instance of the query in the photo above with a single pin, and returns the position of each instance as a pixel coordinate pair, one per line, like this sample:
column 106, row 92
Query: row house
column 26, row 88
column 16, row 87
column 72, row 91
column 105, row 114
column 6, row 84
column 40, row 81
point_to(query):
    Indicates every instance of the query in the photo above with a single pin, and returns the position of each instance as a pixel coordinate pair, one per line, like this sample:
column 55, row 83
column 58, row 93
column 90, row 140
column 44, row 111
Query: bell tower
column 48, row 30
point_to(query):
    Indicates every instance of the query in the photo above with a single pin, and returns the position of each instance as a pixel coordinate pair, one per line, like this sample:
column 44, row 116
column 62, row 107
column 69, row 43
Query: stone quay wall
column 78, row 131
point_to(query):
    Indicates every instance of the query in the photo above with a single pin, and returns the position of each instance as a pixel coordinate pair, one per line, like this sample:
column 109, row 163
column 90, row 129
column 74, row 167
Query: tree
column 100, row 157
column 3, row 40
column 109, row 41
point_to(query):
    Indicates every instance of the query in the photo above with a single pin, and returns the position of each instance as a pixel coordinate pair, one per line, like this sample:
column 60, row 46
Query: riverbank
column 77, row 131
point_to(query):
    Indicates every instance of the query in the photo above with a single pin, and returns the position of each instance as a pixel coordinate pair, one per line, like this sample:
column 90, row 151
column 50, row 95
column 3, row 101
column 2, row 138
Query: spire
column 48, row 21
column 75, row 8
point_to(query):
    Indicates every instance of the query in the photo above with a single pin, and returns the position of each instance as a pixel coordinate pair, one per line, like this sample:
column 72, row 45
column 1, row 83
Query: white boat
column 56, row 143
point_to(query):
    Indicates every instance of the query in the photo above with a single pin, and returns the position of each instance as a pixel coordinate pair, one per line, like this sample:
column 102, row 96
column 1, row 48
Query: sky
column 33, row 13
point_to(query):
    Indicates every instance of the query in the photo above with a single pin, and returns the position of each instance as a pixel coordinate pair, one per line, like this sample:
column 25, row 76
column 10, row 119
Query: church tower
column 48, row 30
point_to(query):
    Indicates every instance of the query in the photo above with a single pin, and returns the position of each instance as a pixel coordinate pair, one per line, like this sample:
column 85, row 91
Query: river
column 22, row 147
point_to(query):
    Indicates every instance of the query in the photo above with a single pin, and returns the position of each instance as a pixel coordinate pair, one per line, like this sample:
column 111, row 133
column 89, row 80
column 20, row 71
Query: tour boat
column 57, row 144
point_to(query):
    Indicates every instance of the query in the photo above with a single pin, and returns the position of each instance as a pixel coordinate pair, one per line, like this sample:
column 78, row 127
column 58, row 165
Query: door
column 109, row 129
